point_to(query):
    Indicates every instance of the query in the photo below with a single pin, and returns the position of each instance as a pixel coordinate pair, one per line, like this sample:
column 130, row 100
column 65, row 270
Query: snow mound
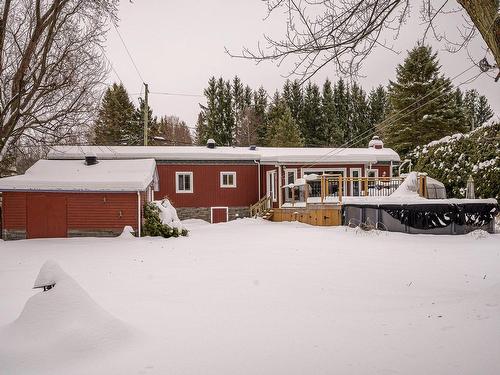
column 127, row 233
column 408, row 188
column 478, row 234
column 63, row 323
column 168, row 214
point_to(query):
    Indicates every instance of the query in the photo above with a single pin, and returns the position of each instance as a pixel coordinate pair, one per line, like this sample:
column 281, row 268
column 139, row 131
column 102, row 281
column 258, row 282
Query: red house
column 206, row 182
column 71, row 198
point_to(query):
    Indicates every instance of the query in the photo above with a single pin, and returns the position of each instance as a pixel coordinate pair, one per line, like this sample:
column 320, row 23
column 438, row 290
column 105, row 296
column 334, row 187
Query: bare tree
column 51, row 67
column 345, row 32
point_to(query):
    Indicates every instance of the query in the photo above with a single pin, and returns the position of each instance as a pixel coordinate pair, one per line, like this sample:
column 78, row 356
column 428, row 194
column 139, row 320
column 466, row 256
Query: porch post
column 280, row 193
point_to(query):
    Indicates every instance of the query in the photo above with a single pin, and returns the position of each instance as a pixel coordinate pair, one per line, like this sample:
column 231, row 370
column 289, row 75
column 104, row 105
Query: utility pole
column 146, row 113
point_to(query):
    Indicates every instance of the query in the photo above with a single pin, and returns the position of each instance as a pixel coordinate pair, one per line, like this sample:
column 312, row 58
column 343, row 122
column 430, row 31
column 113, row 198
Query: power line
column 390, row 120
column 128, row 53
column 177, row 94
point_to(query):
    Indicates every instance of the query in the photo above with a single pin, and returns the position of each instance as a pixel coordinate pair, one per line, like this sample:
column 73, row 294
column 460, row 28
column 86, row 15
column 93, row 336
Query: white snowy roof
column 74, row 175
column 264, row 154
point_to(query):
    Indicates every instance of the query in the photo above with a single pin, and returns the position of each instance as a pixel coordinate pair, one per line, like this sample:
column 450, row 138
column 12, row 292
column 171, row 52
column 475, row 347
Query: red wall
column 84, row 210
column 206, row 185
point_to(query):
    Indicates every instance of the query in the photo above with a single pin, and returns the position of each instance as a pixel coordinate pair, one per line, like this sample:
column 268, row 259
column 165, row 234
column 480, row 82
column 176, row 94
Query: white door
column 355, row 184
column 271, row 185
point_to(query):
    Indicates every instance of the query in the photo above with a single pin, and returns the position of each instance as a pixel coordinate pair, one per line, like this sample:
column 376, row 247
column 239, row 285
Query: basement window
column 228, row 179
column 183, row 182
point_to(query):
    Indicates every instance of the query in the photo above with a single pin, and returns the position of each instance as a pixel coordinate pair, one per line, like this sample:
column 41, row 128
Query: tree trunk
column 484, row 14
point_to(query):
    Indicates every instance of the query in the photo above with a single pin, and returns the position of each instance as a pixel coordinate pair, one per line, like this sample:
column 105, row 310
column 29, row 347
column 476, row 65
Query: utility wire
column 128, row 53
column 390, row 120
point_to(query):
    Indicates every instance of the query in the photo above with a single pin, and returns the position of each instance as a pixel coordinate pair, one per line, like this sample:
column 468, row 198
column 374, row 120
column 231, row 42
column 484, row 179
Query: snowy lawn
column 254, row 297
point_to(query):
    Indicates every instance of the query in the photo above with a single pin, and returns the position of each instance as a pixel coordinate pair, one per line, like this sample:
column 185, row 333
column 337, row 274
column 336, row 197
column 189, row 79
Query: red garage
column 71, row 198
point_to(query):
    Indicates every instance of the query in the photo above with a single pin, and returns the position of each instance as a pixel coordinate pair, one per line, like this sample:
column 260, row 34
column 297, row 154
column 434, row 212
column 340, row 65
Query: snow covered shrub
column 453, row 159
column 154, row 226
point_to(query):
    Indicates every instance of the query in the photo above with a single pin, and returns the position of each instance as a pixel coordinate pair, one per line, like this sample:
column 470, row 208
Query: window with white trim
column 228, row 179
column 183, row 182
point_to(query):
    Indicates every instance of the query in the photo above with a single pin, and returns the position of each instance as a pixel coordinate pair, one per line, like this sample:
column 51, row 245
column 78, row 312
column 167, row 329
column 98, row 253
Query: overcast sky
column 179, row 45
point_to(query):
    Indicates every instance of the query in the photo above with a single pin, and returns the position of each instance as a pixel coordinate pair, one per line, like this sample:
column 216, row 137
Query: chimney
column 376, row 143
column 211, row 143
column 91, row 159
column 253, row 147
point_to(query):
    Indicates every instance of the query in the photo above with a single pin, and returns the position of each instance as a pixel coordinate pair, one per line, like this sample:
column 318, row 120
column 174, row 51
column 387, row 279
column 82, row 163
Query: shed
column 72, row 198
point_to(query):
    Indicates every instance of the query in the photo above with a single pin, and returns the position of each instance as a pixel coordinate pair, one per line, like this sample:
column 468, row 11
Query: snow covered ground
column 254, row 297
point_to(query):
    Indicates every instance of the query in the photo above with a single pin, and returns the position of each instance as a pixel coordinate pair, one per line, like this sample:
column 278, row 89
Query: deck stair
column 263, row 208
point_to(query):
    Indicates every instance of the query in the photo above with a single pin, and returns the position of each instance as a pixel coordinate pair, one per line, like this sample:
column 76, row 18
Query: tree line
column 120, row 123
column 419, row 106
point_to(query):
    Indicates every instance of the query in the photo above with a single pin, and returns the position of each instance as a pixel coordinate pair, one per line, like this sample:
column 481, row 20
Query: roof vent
column 211, row 143
column 253, row 147
column 376, row 143
column 91, row 159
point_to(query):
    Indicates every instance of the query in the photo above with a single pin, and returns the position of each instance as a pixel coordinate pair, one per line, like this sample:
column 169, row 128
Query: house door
column 355, row 182
column 46, row 216
column 271, row 185
column 219, row 215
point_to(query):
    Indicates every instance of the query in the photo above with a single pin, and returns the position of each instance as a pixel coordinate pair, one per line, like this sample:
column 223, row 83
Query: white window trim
column 290, row 170
column 222, row 179
column 372, row 170
column 177, row 174
column 212, row 213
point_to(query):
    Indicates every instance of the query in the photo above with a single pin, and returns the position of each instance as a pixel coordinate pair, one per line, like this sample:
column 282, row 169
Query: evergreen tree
column 333, row 135
column 207, row 119
column 115, row 117
column 422, row 102
column 238, row 105
column 135, row 133
column 311, row 123
column 283, row 130
column 341, row 99
column 477, row 109
column 260, row 111
column 360, row 127
column 378, row 105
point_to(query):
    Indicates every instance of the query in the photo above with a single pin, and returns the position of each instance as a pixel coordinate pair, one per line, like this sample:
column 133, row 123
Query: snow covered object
column 161, row 220
column 63, row 322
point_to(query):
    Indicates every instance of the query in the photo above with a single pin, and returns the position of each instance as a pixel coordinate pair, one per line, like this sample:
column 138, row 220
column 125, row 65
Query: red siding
column 14, row 210
column 206, row 185
column 97, row 210
column 83, row 210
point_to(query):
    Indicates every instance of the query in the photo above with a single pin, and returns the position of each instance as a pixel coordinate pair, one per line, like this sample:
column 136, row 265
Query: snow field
column 254, row 297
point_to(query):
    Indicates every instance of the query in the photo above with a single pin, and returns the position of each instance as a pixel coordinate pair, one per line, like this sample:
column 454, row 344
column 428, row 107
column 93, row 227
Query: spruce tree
column 333, row 135
column 341, row 100
column 360, row 127
column 311, row 119
column 422, row 103
column 377, row 100
column 135, row 133
column 260, row 111
column 477, row 109
column 115, row 117
column 283, row 130
column 207, row 119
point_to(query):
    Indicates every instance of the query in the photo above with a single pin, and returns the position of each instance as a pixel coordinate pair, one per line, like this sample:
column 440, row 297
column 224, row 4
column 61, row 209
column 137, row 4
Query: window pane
column 230, row 180
column 180, row 182
column 187, row 182
column 224, row 179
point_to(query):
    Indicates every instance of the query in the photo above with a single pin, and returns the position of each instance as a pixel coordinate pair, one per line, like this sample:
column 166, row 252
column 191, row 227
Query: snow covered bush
column 160, row 219
column 454, row 158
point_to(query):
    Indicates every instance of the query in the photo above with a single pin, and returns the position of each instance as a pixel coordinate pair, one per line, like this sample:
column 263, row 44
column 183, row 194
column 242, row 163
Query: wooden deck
column 321, row 215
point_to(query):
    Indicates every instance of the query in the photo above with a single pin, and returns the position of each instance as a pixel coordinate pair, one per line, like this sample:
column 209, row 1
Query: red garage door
column 46, row 216
column 219, row 215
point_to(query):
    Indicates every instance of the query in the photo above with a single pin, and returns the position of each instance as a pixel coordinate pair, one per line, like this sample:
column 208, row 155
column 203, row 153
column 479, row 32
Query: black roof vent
column 91, row 159
column 211, row 143
column 253, row 147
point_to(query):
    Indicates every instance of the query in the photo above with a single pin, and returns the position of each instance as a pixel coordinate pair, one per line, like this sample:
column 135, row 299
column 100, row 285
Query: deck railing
column 333, row 188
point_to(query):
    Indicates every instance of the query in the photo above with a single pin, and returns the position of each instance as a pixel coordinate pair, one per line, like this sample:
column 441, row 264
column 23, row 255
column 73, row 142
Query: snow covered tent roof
column 263, row 154
column 75, row 175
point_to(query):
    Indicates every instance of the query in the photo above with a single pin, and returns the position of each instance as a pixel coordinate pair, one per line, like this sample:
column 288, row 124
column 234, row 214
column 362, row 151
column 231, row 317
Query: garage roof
column 75, row 175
